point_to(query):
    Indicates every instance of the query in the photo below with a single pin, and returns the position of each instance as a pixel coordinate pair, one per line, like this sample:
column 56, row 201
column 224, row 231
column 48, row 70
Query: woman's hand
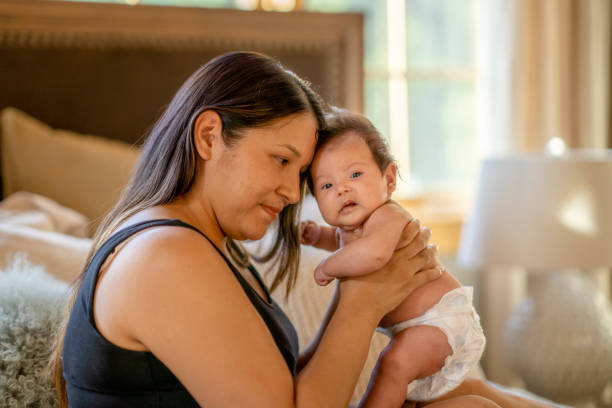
column 412, row 265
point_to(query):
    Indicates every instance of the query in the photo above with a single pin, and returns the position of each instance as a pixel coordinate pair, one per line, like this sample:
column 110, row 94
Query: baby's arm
column 381, row 234
column 319, row 236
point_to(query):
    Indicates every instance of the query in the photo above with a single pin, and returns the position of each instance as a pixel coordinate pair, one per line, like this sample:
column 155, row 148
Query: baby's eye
column 326, row 186
column 356, row 174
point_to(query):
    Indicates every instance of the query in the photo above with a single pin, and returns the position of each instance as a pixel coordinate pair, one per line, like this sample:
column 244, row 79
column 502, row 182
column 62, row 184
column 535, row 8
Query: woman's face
column 258, row 176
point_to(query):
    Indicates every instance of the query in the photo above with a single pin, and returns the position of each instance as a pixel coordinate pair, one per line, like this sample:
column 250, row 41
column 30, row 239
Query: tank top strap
column 93, row 268
column 261, row 282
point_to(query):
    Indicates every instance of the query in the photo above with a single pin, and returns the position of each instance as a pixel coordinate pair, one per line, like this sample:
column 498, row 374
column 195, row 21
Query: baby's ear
column 390, row 175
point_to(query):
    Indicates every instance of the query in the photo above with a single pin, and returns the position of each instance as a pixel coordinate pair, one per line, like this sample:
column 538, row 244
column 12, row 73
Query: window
column 420, row 85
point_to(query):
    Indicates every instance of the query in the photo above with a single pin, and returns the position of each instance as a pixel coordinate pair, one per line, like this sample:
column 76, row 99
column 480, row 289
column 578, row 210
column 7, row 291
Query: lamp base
column 559, row 338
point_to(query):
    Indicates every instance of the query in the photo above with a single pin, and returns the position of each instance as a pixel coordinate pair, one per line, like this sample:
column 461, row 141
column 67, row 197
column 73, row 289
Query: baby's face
column 347, row 182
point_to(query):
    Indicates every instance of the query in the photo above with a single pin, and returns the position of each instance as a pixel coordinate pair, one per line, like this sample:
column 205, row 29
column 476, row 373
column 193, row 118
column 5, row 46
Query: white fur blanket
column 31, row 304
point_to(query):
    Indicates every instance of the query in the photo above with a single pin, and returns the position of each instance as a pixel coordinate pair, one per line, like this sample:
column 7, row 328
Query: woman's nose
column 290, row 190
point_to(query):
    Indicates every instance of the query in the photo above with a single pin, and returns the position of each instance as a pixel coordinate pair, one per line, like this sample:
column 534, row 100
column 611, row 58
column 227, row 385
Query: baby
column 436, row 333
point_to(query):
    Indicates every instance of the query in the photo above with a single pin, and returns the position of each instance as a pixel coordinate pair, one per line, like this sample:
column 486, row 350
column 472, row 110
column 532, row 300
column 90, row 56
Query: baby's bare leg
column 416, row 352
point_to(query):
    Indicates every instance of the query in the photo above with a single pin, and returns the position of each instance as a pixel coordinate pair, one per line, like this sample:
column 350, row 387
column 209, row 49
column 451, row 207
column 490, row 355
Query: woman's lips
column 272, row 211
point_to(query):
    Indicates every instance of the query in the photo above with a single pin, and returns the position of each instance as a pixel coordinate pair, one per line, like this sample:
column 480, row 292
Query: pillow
column 82, row 172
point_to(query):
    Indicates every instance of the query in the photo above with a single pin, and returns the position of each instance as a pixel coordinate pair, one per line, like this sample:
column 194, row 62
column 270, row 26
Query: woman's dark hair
column 247, row 90
column 340, row 121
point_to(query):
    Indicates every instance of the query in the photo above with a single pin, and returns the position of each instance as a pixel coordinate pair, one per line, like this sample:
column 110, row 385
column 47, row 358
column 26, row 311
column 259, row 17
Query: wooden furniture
column 444, row 214
column 109, row 69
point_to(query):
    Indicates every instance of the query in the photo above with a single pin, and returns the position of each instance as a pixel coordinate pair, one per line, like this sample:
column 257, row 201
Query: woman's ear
column 390, row 177
column 207, row 131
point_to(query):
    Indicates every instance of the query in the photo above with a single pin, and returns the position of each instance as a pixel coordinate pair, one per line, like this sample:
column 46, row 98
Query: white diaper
column 456, row 317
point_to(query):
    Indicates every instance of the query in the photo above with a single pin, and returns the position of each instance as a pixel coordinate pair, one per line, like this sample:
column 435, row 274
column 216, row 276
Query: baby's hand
column 309, row 232
column 320, row 277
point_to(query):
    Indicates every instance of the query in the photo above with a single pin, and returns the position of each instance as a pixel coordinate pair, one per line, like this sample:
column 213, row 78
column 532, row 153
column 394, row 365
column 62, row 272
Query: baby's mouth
column 347, row 205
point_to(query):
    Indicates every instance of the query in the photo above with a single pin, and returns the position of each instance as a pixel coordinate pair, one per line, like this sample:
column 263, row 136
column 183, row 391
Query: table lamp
column 551, row 216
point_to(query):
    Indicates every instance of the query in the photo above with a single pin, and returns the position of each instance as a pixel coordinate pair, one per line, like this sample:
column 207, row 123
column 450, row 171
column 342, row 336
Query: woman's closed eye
column 282, row 161
column 356, row 174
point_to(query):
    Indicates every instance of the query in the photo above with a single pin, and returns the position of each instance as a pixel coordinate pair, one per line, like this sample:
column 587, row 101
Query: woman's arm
column 311, row 347
column 198, row 322
column 475, row 386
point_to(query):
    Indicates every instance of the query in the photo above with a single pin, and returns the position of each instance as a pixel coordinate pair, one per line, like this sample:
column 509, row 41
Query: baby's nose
column 342, row 189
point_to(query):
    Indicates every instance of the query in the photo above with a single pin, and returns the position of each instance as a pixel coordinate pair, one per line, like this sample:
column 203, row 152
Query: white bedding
column 47, row 233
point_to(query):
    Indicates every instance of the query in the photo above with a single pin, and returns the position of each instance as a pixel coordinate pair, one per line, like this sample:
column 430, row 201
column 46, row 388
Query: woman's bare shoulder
column 169, row 255
column 154, row 248
column 153, row 267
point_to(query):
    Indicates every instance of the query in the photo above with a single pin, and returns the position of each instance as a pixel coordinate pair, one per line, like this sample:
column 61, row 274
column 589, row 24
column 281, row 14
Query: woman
column 160, row 316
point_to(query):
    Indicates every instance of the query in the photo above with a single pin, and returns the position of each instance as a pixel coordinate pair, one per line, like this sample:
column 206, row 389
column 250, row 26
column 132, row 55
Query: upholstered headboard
column 109, row 69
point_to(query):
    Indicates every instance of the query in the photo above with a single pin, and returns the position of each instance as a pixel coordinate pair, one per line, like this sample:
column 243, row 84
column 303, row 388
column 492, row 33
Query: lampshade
column 542, row 212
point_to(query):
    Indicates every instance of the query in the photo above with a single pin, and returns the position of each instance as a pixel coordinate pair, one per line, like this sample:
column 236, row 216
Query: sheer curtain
column 495, row 37
column 543, row 71
column 561, row 72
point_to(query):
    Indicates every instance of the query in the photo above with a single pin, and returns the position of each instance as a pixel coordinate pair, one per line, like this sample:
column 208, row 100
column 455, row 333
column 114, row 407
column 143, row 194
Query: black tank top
column 100, row 374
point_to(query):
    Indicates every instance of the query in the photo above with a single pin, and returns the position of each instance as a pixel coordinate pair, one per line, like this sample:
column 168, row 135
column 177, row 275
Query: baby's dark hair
column 339, row 121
